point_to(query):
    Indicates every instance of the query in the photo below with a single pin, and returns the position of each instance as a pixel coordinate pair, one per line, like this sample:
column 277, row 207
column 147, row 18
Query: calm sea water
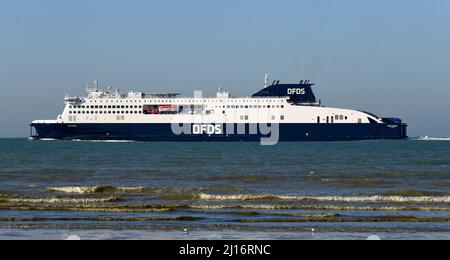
column 98, row 190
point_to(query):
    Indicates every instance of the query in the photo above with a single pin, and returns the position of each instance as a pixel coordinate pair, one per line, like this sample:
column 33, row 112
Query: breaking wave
column 350, row 220
column 22, row 205
column 413, row 193
column 165, row 193
column 59, row 200
column 427, row 138
column 99, row 219
column 95, row 189
column 394, row 199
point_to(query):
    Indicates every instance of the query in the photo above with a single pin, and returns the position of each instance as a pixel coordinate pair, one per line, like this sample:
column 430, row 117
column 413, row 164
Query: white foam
column 427, row 138
column 93, row 189
column 248, row 197
column 60, row 200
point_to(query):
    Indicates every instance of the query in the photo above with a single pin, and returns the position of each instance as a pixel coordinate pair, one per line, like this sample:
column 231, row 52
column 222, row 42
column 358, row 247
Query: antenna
column 96, row 84
column 266, row 81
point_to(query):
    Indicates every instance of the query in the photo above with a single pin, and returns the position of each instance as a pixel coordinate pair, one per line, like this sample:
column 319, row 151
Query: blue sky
column 388, row 57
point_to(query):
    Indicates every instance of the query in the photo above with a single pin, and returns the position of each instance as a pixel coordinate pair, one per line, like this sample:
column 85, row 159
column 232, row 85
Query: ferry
column 277, row 113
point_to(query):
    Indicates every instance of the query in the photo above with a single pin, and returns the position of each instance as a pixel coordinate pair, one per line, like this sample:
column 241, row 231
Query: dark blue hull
column 163, row 132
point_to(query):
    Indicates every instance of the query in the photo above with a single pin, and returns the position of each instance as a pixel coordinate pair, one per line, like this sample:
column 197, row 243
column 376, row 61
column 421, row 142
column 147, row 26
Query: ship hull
column 240, row 133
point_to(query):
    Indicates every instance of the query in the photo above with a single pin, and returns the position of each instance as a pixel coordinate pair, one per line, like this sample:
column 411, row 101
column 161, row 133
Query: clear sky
column 389, row 57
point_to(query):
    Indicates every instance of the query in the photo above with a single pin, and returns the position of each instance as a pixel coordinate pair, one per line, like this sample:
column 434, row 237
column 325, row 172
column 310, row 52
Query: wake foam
column 427, row 138
column 248, row 197
column 94, row 189
column 59, row 200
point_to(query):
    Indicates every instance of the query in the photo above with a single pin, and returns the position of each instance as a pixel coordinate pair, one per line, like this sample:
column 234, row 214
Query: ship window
column 337, row 117
column 268, row 106
column 318, row 119
column 282, row 117
column 273, row 117
column 346, row 118
column 96, row 107
column 359, row 120
column 342, row 117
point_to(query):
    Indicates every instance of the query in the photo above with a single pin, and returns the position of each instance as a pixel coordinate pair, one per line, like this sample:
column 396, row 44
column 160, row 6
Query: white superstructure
column 135, row 107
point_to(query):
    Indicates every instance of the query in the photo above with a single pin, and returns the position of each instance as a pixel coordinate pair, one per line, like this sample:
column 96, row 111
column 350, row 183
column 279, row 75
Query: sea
column 193, row 191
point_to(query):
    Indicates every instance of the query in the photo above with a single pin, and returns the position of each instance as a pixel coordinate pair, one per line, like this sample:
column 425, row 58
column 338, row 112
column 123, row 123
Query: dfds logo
column 296, row 91
column 207, row 129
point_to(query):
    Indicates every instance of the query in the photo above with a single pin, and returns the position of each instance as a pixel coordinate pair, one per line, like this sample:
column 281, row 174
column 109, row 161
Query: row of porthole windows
column 103, row 107
column 217, row 101
column 273, row 118
column 127, row 107
column 340, row 117
column 331, row 119
column 117, row 101
column 182, row 100
column 105, row 112
column 252, row 106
